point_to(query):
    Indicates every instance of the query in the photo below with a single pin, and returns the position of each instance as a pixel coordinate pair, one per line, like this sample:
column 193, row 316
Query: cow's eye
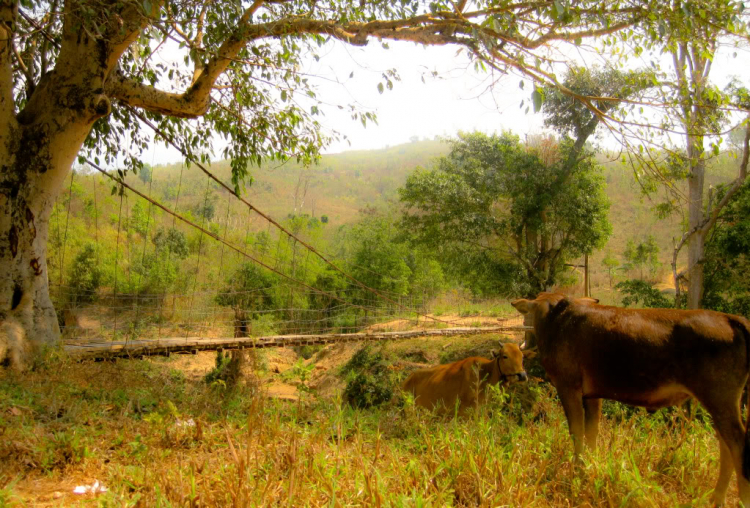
column 505, row 357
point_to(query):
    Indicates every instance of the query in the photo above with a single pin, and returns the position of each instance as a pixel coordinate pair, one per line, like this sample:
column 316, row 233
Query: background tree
column 642, row 294
column 642, row 254
column 727, row 286
column 80, row 74
column 85, row 277
column 488, row 196
column 375, row 257
column 691, row 105
column 145, row 173
column 611, row 264
column 247, row 291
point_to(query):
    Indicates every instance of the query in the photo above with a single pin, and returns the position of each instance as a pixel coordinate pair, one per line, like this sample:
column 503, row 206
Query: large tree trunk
column 36, row 154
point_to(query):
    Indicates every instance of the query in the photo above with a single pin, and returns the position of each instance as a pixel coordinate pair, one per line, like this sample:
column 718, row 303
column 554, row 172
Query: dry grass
column 68, row 424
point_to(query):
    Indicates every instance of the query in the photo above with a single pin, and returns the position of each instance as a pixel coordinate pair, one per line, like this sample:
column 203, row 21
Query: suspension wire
column 233, row 247
column 169, row 251
column 226, row 226
column 185, row 153
column 67, row 219
column 247, row 230
column 145, row 245
column 198, row 261
column 117, row 251
column 96, row 239
column 128, row 229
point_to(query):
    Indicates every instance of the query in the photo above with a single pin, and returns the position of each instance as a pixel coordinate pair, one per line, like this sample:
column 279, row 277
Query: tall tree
column 81, row 74
column 696, row 108
column 510, row 202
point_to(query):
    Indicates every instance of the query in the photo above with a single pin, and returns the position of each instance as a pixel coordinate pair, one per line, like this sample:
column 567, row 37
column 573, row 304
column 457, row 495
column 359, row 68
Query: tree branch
column 430, row 29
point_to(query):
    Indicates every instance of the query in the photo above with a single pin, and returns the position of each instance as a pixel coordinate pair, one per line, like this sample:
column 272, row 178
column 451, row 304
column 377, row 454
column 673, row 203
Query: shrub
column 228, row 369
column 85, row 276
column 370, row 382
column 640, row 292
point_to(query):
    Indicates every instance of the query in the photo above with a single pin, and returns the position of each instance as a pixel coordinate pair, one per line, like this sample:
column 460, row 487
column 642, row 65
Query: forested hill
column 343, row 184
column 333, row 191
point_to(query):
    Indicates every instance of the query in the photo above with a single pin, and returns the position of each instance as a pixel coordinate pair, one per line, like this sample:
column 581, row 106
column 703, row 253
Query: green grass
column 68, row 424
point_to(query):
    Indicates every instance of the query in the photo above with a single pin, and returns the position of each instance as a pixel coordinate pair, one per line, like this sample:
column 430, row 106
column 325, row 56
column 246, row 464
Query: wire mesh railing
column 102, row 316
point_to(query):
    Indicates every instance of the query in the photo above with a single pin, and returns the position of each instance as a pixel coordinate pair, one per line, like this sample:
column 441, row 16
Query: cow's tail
column 745, row 327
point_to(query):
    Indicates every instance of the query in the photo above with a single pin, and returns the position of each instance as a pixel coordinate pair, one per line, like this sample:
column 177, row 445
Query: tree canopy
column 500, row 200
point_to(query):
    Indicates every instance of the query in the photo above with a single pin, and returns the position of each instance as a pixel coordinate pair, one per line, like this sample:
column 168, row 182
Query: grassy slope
column 68, row 424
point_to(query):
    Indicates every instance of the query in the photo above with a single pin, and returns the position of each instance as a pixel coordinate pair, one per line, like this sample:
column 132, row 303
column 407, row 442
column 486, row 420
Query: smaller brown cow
column 646, row 357
column 464, row 382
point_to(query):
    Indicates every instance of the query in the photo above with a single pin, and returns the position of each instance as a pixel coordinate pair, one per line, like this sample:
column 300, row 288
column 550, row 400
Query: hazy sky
column 457, row 99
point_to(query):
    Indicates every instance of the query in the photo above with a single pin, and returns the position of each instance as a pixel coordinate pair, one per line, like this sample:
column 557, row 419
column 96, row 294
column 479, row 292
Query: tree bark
column 35, row 162
column 697, row 240
column 37, row 150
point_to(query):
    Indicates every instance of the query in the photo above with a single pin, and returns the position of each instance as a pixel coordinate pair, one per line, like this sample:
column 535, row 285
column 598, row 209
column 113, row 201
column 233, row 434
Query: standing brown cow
column 464, row 382
column 646, row 357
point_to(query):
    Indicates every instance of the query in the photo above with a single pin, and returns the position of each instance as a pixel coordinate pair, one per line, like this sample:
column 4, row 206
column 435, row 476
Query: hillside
column 333, row 191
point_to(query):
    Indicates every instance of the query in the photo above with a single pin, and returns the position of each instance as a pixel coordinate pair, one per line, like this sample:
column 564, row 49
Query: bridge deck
column 147, row 347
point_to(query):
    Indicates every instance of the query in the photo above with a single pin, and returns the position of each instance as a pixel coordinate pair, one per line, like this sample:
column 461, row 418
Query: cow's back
column 443, row 385
column 649, row 357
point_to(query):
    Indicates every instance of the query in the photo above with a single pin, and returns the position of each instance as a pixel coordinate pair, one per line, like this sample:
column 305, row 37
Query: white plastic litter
column 94, row 488
column 185, row 423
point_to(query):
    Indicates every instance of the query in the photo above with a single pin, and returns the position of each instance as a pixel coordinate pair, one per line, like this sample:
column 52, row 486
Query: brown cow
column 464, row 382
column 646, row 357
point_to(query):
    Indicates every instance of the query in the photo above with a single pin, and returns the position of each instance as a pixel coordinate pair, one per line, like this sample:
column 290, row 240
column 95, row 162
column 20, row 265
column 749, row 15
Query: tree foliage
column 502, row 201
column 644, row 253
column 727, row 286
column 248, row 288
column 84, row 276
column 610, row 264
column 642, row 294
column 236, row 67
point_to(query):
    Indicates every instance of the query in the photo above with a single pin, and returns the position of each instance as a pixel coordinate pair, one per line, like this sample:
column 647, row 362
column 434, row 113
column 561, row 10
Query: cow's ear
column 530, row 354
column 588, row 299
column 522, row 305
column 495, row 354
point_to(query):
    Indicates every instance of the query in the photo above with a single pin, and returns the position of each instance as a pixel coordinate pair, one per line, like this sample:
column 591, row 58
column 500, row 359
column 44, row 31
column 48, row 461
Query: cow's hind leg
column 593, row 411
column 725, row 412
column 726, row 468
column 572, row 402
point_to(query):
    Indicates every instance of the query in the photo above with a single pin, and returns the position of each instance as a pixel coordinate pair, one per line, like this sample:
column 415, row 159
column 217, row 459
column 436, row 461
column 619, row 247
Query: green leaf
column 380, row 87
column 283, row 95
column 537, row 98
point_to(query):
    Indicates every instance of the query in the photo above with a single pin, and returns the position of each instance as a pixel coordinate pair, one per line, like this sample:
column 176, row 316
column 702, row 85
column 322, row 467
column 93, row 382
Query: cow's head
column 510, row 362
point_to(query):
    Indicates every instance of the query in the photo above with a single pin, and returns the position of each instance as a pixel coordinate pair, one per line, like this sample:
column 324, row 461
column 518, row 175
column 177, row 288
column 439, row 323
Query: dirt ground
column 273, row 365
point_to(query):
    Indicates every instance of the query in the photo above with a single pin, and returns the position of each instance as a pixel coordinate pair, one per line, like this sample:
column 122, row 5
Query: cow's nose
column 522, row 376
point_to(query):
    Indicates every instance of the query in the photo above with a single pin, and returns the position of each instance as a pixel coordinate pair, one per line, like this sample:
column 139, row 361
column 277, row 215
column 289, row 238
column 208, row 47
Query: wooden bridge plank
column 141, row 347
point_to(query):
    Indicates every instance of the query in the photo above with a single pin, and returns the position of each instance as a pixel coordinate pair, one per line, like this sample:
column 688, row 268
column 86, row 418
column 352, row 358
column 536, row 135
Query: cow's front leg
column 572, row 401
column 593, row 412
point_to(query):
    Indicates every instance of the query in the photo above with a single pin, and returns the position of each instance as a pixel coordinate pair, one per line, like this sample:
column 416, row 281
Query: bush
column 228, row 369
column 306, row 351
column 370, row 382
column 84, row 276
column 640, row 292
